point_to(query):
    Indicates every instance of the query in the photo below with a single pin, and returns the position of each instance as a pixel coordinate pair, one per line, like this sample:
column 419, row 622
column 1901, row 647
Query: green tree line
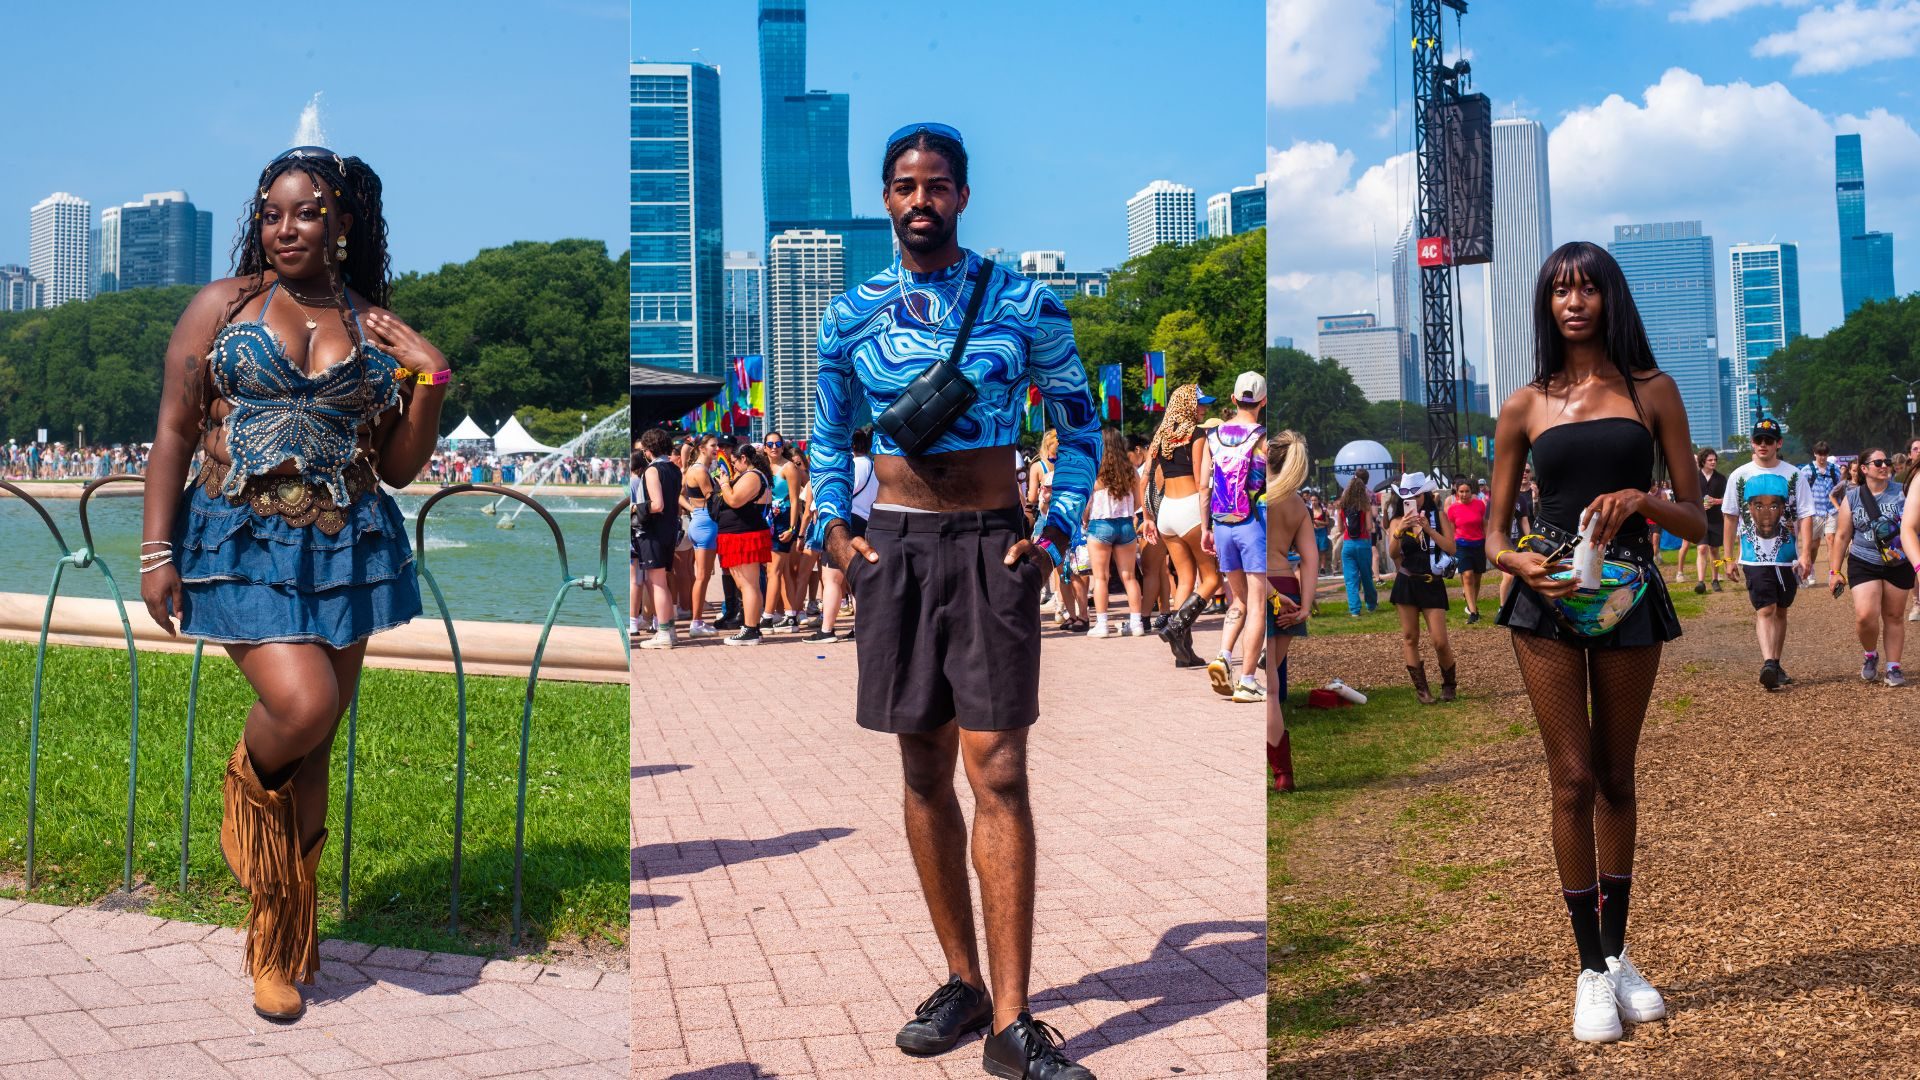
column 530, row 324
column 1841, row 387
column 1203, row 304
column 1319, row 399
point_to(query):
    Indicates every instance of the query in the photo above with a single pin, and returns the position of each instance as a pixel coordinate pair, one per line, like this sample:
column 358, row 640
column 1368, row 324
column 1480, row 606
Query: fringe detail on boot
column 280, row 916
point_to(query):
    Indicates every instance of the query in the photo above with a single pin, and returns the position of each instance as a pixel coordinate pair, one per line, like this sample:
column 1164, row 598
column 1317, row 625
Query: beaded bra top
column 281, row 413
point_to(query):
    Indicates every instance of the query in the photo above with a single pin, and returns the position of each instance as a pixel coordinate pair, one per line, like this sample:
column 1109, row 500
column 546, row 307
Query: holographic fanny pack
column 1592, row 612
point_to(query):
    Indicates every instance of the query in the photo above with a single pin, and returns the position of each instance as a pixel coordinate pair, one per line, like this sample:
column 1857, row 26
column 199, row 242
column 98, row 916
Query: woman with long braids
column 305, row 395
column 1175, row 458
column 1595, row 416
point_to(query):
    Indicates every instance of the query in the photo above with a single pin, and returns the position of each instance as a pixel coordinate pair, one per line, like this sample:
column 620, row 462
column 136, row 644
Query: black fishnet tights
column 1589, row 760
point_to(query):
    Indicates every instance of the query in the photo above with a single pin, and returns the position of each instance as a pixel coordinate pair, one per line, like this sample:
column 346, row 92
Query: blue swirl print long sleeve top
column 878, row 337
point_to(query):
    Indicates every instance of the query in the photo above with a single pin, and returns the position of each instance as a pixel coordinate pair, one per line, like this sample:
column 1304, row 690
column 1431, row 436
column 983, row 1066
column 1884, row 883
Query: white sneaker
column 1098, row 629
column 1636, row 997
column 662, row 639
column 700, row 630
column 1596, row 1016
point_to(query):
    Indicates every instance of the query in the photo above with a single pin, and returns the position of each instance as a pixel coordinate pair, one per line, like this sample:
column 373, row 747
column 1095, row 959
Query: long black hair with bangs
column 1623, row 335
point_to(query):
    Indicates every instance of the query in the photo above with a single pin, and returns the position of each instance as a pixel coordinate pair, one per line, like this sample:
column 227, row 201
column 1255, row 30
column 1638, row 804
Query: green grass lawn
column 575, row 877
column 1341, row 753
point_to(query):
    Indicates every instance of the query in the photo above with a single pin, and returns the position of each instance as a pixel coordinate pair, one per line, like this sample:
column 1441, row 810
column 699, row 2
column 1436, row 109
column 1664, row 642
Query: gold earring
column 340, row 243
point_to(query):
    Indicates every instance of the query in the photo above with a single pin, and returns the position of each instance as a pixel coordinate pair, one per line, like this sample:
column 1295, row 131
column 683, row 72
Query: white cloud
column 1749, row 161
column 1709, row 10
column 1322, row 52
column 1830, row 39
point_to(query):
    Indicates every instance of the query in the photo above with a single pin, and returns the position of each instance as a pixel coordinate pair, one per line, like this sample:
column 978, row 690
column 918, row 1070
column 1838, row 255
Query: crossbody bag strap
column 980, row 278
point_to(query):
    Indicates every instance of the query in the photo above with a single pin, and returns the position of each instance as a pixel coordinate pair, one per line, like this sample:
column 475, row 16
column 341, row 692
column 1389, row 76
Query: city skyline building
column 159, row 241
column 59, row 248
column 674, row 217
column 1866, row 258
column 1219, row 214
column 1049, row 268
column 1160, row 213
column 803, row 277
column 1371, row 353
column 1522, row 240
column 803, row 134
column 1669, row 268
column 1406, row 315
column 1765, row 280
column 745, row 305
column 866, row 244
column 19, row 289
column 1247, row 206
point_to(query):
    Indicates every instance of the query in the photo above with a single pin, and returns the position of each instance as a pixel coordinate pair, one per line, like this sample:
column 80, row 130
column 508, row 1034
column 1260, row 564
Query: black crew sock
column 1584, row 909
column 1613, row 912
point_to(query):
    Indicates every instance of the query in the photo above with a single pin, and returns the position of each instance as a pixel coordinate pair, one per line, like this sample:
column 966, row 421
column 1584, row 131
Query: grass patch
column 575, row 878
column 1337, row 754
column 1331, row 617
column 1432, row 819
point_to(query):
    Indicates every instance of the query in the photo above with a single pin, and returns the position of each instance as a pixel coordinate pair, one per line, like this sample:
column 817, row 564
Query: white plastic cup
column 1347, row 692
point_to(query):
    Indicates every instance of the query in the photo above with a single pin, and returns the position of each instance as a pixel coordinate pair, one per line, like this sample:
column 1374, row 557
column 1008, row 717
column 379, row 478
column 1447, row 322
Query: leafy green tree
column 1840, row 387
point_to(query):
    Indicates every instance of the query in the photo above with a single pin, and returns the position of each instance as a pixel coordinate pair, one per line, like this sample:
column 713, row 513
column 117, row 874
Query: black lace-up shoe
column 1029, row 1049
column 944, row 1019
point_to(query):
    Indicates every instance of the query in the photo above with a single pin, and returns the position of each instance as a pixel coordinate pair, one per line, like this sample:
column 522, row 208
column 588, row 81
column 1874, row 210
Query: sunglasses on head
column 911, row 130
column 310, row 152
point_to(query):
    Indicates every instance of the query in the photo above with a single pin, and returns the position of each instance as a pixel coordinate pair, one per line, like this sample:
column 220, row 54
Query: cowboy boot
column 1181, row 640
column 261, row 842
column 1447, row 683
column 1419, row 676
column 1280, row 760
column 1183, row 619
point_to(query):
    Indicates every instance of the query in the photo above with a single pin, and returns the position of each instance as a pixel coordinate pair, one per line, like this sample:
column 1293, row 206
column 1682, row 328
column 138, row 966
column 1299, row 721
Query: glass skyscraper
column 159, row 241
column 1522, row 239
column 1669, row 267
column 1866, row 258
column 674, row 276
column 1766, row 315
column 803, row 136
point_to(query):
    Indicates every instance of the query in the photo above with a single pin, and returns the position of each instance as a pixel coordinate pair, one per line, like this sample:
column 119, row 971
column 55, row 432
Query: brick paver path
column 778, row 926
column 115, row 996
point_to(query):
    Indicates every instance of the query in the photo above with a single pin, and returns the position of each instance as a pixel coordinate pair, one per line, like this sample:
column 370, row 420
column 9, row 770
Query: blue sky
column 1068, row 109
column 1657, row 110
column 488, row 122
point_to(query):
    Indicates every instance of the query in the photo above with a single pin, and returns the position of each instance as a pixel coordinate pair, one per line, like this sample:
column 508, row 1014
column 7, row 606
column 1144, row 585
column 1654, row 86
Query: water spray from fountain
column 309, row 132
column 540, row 472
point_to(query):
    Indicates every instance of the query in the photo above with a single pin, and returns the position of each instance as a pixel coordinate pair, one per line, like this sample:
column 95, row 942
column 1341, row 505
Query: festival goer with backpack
column 1822, row 475
column 1176, row 461
column 1234, row 531
column 1877, row 565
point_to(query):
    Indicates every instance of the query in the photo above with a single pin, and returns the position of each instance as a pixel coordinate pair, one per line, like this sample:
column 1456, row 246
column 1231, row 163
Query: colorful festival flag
column 755, row 368
column 1155, row 393
column 1035, row 421
column 1110, row 390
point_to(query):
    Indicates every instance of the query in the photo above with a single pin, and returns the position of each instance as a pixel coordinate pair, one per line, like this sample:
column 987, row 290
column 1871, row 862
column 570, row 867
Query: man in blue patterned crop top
column 949, row 575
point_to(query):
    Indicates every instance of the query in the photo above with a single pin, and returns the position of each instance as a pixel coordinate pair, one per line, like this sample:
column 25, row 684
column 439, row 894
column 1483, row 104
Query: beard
column 921, row 242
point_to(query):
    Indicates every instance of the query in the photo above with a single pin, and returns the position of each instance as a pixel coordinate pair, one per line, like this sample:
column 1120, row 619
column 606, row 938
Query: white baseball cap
column 1250, row 387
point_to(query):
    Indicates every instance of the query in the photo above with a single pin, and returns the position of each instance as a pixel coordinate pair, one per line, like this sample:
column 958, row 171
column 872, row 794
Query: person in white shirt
column 1769, row 515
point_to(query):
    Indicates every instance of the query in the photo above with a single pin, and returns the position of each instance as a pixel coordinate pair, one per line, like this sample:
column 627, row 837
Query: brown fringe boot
column 1449, row 688
column 261, row 842
column 1420, row 688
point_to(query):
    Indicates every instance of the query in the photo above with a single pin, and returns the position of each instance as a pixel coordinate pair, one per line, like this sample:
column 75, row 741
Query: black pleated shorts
column 948, row 631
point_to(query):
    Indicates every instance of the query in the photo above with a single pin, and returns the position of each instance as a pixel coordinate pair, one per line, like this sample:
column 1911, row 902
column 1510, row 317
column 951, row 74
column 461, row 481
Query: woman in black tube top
column 1594, row 419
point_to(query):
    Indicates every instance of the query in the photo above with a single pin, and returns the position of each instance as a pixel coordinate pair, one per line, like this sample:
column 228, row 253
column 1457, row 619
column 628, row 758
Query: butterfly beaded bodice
column 280, row 413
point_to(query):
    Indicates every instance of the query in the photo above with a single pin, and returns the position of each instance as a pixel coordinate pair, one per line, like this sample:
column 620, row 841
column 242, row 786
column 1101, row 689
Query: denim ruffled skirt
column 250, row 579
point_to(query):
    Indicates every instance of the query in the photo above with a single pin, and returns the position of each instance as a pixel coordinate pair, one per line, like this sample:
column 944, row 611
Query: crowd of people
column 1174, row 528
column 58, row 461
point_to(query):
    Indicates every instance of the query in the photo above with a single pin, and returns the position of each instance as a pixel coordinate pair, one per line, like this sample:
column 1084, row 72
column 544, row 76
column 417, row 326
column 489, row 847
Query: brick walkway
column 778, row 927
column 99, row 994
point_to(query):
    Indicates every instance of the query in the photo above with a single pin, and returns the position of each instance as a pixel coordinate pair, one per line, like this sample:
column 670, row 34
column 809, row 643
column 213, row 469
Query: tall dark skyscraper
column 803, row 135
column 674, row 278
column 1866, row 258
column 1669, row 268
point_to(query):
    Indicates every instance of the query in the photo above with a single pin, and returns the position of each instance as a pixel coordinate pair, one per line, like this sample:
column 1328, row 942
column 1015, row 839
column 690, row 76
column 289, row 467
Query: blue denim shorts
column 1111, row 531
column 249, row 579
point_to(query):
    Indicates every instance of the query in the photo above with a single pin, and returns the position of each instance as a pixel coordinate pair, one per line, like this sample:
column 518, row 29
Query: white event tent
column 468, row 431
column 513, row 439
